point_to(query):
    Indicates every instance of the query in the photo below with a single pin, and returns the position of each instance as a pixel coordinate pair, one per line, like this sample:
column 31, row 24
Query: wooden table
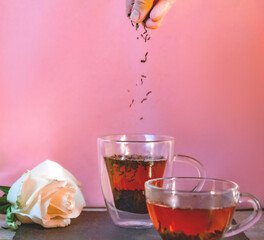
column 254, row 233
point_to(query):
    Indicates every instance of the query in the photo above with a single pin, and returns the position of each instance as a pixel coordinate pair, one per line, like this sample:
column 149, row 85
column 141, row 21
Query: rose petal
column 14, row 194
column 52, row 223
column 52, row 170
column 60, row 222
column 48, row 195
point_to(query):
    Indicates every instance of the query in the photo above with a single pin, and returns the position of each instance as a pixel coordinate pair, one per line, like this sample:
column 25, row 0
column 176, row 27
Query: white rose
column 48, row 195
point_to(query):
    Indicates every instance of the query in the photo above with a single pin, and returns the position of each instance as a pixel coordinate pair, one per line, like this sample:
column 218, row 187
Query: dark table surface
column 92, row 225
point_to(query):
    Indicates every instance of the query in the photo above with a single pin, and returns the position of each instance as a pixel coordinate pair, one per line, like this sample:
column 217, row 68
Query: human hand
column 151, row 12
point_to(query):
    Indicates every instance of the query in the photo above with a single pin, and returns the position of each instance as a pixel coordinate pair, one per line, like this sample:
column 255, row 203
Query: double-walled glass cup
column 126, row 162
column 197, row 208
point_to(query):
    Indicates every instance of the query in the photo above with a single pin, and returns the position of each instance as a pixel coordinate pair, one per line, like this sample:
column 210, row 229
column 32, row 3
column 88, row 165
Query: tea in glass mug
column 126, row 162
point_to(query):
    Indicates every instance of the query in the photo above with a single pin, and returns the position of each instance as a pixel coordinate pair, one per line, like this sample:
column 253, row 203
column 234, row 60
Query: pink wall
column 65, row 67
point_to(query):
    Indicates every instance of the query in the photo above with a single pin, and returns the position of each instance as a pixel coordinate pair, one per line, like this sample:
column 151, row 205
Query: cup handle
column 251, row 220
column 197, row 165
column 193, row 162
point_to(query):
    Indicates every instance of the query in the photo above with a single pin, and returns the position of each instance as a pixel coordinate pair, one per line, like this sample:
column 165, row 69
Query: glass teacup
column 126, row 162
column 197, row 208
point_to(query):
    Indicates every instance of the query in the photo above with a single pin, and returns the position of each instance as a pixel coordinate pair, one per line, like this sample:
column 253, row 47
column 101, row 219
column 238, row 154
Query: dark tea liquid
column 127, row 175
column 190, row 224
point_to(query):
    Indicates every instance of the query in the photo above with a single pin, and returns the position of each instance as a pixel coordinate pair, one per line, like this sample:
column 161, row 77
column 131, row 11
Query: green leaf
column 4, row 189
column 3, row 208
column 4, row 204
column 11, row 219
column 3, row 200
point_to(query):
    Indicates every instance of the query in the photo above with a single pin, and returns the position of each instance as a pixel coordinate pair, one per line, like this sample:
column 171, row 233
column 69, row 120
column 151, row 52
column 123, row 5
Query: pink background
column 66, row 66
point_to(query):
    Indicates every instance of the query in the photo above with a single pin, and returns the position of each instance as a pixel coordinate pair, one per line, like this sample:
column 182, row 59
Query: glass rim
column 235, row 186
column 117, row 138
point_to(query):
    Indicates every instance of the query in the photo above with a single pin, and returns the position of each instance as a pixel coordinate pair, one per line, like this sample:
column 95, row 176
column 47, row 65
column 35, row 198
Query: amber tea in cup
column 126, row 163
column 197, row 208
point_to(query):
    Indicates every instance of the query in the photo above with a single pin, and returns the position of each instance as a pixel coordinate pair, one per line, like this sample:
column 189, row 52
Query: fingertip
column 153, row 24
column 160, row 10
column 135, row 16
column 140, row 10
column 129, row 6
